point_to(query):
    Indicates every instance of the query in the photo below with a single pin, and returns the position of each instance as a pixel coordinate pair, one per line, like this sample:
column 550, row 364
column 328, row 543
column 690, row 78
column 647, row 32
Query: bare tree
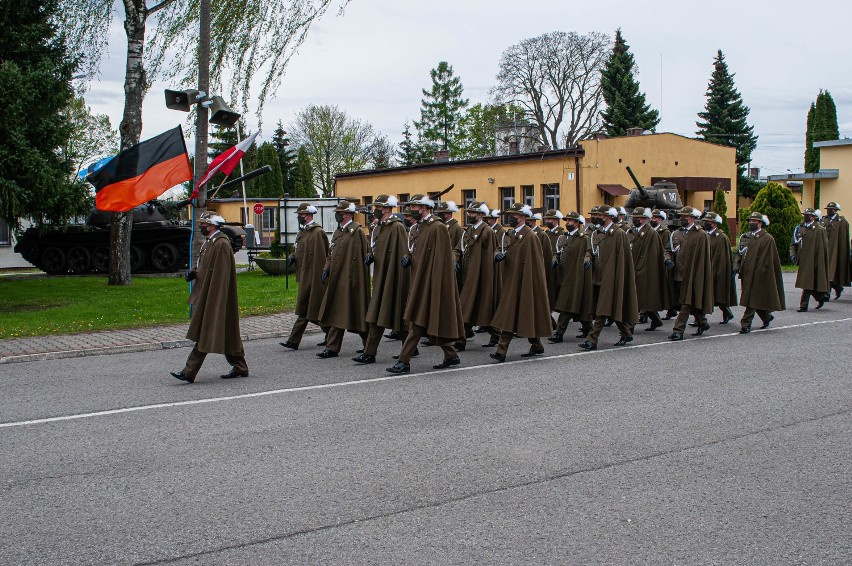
column 556, row 79
column 335, row 143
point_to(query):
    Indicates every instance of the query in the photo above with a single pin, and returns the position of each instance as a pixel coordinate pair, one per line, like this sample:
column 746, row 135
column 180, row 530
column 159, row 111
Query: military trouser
column 626, row 330
column 748, row 316
column 415, row 333
column 506, row 338
column 654, row 317
column 683, row 317
column 726, row 311
column 806, row 297
column 299, row 329
column 196, row 358
column 334, row 340
column 566, row 317
column 374, row 336
column 836, row 287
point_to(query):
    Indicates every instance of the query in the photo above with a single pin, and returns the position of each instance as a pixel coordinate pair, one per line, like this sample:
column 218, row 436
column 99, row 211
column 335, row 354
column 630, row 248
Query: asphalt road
column 724, row 449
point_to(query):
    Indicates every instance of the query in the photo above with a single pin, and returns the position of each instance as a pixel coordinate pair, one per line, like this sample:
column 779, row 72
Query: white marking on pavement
column 79, row 416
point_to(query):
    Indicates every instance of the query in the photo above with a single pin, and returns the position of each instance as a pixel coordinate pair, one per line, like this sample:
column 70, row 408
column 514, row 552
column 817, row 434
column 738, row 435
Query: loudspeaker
column 181, row 99
column 221, row 114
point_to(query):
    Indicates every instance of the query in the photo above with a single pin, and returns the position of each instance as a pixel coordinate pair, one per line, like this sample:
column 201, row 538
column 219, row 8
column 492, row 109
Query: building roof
column 832, row 143
column 823, row 174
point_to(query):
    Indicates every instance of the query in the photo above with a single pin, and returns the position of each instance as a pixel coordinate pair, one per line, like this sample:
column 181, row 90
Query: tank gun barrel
column 636, row 181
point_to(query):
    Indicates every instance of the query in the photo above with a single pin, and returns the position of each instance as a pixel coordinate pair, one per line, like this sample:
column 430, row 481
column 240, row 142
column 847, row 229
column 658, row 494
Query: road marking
column 371, row 380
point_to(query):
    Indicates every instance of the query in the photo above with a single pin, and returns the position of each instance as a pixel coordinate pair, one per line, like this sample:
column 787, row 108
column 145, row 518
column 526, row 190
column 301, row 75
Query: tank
column 662, row 195
column 158, row 244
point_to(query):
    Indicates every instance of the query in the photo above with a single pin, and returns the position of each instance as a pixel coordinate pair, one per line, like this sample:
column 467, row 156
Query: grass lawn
column 64, row 305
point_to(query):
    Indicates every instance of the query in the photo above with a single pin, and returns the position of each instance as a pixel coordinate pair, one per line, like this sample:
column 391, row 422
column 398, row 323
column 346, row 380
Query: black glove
column 669, row 264
column 499, row 256
column 457, row 266
column 291, row 260
column 587, row 265
column 554, row 264
column 793, row 259
column 405, row 262
column 190, row 275
column 368, row 259
column 324, row 276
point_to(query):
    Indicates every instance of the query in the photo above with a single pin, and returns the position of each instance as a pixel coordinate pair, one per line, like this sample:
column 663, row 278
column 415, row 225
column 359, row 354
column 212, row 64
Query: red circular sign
column 258, row 208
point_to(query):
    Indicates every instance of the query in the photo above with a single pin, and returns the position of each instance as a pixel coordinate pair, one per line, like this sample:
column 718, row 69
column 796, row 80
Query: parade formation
column 423, row 276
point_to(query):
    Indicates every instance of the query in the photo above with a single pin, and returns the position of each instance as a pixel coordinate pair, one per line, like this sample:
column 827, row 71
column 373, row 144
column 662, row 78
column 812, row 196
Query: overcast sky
column 374, row 60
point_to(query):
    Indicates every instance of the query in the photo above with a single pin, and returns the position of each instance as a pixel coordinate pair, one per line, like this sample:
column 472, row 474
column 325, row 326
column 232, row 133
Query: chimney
column 634, row 131
column 599, row 136
column 514, row 148
column 442, row 155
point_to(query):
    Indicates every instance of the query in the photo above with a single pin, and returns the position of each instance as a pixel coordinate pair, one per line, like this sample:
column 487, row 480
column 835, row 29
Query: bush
column 778, row 203
column 720, row 207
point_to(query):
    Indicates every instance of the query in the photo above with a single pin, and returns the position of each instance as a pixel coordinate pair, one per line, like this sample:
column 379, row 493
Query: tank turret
column 662, row 195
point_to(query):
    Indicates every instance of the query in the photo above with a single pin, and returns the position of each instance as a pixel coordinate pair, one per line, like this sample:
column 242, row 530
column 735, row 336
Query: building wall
column 232, row 211
column 836, row 157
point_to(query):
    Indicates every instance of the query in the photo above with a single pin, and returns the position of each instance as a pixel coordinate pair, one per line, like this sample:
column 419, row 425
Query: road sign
column 258, row 208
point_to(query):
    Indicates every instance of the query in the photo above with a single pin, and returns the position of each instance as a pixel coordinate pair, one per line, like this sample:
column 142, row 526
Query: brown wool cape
column 615, row 274
column 647, row 251
column 347, row 289
column 575, row 288
column 693, row 258
column 549, row 274
column 721, row 259
column 522, row 309
column 390, row 280
column 477, row 298
column 499, row 232
column 433, row 298
column 810, row 246
column 554, row 275
column 839, row 266
column 665, row 237
column 311, row 252
column 215, row 324
column 760, row 270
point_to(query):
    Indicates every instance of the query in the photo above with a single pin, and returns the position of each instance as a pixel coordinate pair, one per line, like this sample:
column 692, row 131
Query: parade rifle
column 434, row 195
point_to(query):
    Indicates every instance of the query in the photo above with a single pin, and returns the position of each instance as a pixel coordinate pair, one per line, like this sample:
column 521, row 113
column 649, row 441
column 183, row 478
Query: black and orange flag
column 142, row 172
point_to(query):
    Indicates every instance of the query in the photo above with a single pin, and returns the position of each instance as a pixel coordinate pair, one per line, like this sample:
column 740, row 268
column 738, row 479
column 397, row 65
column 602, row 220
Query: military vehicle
column 157, row 244
column 662, row 195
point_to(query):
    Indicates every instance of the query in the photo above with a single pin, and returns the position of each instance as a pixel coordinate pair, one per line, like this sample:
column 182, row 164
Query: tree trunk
column 202, row 124
column 135, row 85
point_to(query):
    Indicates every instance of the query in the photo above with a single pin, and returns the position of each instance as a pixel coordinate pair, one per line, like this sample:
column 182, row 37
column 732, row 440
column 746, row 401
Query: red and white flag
column 225, row 162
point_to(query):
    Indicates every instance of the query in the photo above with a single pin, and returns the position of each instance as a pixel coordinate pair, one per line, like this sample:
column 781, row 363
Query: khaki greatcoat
column 810, row 246
column 389, row 243
column 648, row 261
column 614, row 274
column 760, row 271
column 310, row 253
column 693, row 262
column 347, row 290
column 839, row 266
column 721, row 259
column 476, row 250
column 575, row 287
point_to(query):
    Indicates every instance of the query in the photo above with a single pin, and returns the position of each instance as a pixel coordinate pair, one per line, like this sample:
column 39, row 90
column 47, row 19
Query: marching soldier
column 475, row 261
column 696, row 272
column 432, row 278
column 614, row 278
column 546, row 257
column 493, row 220
column 444, row 211
column 760, row 271
column 388, row 245
column 309, row 257
column 658, row 223
column 837, row 230
column 621, row 219
column 809, row 250
column 552, row 217
column 574, row 258
column 724, row 288
column 648, row 261
column 215, row 323
column 347, row 281
column 520, row 310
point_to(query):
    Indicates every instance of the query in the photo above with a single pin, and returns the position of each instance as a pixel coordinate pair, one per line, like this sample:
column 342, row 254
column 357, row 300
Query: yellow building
column 835, row 157
column 232, row 210
column 570, row 179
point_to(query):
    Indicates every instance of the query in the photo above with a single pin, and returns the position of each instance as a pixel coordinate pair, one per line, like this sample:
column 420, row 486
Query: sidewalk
column 132, row 340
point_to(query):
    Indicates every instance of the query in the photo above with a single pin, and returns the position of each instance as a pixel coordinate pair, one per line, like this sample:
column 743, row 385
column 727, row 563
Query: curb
column 123, row 349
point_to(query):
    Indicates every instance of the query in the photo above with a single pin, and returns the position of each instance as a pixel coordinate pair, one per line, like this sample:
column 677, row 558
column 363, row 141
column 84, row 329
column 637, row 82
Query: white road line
column 384, row 378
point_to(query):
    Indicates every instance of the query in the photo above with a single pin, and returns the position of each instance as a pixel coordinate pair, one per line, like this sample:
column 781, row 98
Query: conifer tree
column 724, row 120
column 625, row 103
column 303, row 176
column 442, row 107
column 821, row 126
column 269, row 185
column 286, row 156
column 408, row 153
column 720, row 207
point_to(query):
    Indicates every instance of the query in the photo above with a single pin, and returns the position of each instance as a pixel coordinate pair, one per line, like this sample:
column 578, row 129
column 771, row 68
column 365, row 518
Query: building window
column 270, row 218
column 708, row 205
column 607, row 199
column 5, row 234
column 367, row 201
column 403, row 198
column 551, row 196
column 529, row 195
column 507, row 199
column 468, row 196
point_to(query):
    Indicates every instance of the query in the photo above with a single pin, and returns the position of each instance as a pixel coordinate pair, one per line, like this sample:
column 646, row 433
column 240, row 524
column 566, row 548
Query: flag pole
column 245, row 203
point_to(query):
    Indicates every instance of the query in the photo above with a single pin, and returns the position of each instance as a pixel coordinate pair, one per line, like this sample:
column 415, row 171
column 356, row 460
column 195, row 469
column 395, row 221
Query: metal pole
column 202, row 124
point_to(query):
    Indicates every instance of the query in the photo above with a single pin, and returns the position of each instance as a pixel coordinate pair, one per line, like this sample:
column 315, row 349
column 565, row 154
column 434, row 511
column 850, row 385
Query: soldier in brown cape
column 658, row 223
column 520, row 310
column 693, row 263
column 839, row 266
column 433, row 302
column 552, row 217
column 475, row 260
column 614, row 278
column 809, row 250
column 760, row 271
column 309, row 258
column 388, row 245
column 721, row 258
column 546, row 257
column 649, row 263
column 347, row 281
column 493, row 220
column 444, row 211
column 574, row 257
column 215, row 323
